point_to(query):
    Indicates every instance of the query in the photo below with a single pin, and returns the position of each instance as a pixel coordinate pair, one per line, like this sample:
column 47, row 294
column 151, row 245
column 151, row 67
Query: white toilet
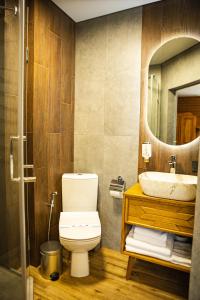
column 79, row 225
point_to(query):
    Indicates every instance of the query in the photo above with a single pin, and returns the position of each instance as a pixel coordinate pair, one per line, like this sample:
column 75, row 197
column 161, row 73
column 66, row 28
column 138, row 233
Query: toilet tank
column 79, row 192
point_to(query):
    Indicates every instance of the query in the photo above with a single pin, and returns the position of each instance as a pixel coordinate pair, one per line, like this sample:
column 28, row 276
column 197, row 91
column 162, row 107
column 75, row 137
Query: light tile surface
column 195, row 272
column 107, row 104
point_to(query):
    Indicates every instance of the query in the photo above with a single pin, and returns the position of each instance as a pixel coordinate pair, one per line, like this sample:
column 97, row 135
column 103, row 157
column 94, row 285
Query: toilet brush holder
column 51, row 251
column 51, row 260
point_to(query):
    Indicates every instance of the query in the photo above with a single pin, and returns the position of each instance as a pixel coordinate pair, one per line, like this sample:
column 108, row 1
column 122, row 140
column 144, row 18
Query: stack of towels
column 150, row 242
column 158, row 244
column 182, row 252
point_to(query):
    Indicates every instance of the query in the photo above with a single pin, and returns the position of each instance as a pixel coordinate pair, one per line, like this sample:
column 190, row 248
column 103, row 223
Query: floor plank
column 107, row 281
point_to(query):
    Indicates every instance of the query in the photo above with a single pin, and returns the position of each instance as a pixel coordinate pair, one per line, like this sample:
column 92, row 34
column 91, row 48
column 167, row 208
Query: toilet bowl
column 79, row 232
column 79, row 225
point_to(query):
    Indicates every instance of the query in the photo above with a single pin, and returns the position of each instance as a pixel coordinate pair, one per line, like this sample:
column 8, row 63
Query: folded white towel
column 165, row 251
column 154, row 237
column 146, row 252
column 174, row 259
column 181, row 260
column 150, row 240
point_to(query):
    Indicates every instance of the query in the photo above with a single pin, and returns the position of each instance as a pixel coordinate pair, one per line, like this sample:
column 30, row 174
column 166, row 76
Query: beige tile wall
column 195, row 272
column 107, row 100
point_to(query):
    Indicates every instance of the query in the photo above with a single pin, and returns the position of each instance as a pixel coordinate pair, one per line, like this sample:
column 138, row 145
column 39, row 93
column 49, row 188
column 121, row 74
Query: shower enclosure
column 154, row 106
column 13, row 229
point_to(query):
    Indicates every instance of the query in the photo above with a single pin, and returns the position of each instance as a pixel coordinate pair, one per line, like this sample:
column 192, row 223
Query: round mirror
column 173, row 107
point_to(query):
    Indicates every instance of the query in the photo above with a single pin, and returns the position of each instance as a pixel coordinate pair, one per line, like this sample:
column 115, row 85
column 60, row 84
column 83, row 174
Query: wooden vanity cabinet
column 156, row 213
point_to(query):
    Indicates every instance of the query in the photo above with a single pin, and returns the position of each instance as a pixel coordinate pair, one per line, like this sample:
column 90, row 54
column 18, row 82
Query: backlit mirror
column 173, row 107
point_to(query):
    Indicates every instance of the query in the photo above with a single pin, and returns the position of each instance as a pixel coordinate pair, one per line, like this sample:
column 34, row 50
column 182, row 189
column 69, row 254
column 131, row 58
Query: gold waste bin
column 51, row 260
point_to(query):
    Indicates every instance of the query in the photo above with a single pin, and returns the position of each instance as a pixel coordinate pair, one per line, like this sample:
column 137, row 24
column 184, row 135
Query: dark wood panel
column 67, row 66
column 67, row 118
column 161, row 21
column 54, row 83
column 67, row 152
column 51, row 111
column 55, row 18
column 41, row 31
column 40, row 115
column 41, row 209
column 54, row 184
column 53, row 153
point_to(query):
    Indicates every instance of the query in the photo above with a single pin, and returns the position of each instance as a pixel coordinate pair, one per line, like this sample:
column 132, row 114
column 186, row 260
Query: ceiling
column 81, row 10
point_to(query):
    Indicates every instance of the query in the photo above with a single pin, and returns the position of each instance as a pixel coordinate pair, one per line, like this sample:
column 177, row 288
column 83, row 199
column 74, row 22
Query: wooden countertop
column 136, row 191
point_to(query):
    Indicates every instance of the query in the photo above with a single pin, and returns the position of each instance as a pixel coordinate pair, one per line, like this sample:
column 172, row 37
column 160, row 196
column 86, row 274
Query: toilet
column 79, row 224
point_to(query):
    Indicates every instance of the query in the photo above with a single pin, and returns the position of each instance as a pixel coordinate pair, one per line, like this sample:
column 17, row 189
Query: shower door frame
column 22, row 209
column 18, row 139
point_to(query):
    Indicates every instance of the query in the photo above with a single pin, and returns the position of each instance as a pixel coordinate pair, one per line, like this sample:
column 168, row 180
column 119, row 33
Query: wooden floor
column 107, row 281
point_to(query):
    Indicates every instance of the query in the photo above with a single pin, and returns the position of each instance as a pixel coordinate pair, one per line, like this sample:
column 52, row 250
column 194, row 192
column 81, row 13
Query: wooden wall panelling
column 67, row 95
column 54, row 82
column 52, row 35
column 161, row 21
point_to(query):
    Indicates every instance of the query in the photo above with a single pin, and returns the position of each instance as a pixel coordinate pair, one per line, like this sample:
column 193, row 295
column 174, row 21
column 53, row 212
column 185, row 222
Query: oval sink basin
column 168, row 185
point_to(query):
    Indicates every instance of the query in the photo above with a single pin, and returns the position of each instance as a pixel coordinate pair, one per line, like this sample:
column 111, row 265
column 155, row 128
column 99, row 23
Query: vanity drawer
column 163, row 214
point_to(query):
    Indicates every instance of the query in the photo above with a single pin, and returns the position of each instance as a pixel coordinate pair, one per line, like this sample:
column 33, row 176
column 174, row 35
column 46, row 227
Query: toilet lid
column 79, row 225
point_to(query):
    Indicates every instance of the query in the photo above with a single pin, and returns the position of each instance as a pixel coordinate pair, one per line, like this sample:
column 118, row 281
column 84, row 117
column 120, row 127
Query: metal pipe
column 20, row 130
column 53, row 196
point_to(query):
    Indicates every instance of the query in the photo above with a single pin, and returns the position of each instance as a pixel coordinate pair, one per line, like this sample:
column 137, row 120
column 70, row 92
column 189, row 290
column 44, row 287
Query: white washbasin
column 168, row 185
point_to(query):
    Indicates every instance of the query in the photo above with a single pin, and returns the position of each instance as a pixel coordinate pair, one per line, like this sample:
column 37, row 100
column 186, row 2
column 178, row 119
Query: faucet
column 172, row 163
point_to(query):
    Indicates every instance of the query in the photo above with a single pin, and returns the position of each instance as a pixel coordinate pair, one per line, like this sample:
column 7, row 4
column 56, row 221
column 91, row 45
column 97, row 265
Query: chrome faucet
column 172, row 163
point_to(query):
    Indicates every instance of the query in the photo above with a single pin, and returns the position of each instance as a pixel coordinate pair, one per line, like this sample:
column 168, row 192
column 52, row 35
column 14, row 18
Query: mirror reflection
column 173, row 107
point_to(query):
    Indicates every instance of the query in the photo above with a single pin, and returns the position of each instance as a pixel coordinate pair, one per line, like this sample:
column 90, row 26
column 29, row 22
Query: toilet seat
column 79, row 225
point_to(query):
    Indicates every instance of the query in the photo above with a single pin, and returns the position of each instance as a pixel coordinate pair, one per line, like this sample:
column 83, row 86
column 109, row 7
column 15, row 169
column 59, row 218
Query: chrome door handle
column 12, row 139
column 29, row 166
column 29, row 179
column 17, row 179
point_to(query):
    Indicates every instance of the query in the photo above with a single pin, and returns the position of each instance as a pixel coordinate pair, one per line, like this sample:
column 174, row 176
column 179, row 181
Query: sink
column 168, row 185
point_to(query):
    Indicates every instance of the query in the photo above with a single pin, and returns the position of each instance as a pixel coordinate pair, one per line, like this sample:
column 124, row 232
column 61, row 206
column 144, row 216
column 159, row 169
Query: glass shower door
column 13, row 282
